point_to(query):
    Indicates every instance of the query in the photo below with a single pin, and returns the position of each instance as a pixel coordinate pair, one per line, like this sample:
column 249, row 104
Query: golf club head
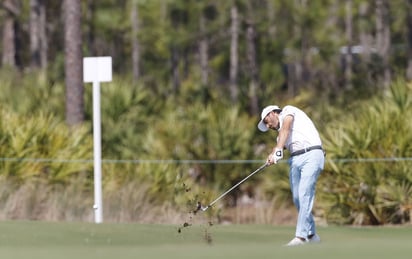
column 200, row 207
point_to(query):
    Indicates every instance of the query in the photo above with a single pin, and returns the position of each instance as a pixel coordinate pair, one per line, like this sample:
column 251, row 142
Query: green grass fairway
column 42, row 240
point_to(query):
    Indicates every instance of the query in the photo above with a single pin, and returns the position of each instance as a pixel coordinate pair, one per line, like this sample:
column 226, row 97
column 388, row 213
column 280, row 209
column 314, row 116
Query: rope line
column 186, row 161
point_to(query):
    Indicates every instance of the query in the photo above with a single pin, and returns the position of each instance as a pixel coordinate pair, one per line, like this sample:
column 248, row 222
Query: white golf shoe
column 314, row 239
column 296, row 242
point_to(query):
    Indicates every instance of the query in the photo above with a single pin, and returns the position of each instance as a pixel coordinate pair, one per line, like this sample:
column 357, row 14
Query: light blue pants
column 303, row 175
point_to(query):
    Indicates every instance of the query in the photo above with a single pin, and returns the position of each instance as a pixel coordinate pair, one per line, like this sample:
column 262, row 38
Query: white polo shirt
column 303, row 133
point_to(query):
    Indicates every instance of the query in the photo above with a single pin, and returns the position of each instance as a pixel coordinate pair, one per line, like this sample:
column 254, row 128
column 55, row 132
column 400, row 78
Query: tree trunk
column 296, row 60
column 38, row 37
column 135, row 41
column 305, row 69
column 253, row 68
column 365, row 36
column 409, row 24
column 175, row 69
column 73, row 62
column 10, row 24
column 293, row 72
column 383, row 41
column 90, row 34
column 349, row 43
column 330, row 75
column 234, row 59
column 366, row 41
column 271, row 14
column 203, row 52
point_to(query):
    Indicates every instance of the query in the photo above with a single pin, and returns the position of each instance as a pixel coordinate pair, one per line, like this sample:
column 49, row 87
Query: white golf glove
column 277, row 155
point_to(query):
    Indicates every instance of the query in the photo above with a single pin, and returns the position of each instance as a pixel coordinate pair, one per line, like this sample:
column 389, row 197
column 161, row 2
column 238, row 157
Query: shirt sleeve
column 287, row 110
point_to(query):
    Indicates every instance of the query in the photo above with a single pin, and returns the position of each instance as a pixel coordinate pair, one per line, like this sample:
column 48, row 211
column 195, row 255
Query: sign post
column 96, row 70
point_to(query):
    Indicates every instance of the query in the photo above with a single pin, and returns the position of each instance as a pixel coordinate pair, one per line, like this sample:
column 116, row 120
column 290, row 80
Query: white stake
column 96, row 70
column 98, row 200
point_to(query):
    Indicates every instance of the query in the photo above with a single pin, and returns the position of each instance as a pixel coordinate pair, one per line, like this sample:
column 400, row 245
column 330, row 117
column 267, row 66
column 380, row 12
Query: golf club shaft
column 236, row 185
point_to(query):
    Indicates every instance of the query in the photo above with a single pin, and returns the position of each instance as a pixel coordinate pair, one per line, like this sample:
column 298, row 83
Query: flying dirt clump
column 194, row 206
column 184, row 225
column 207, row 237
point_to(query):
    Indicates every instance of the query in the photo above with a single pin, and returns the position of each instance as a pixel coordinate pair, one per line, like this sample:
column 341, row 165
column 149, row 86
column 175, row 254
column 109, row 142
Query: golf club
column 202, row 208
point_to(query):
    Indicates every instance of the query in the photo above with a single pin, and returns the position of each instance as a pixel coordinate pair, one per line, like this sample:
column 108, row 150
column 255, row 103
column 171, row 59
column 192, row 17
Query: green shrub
column 374, row 191
column 42, row 146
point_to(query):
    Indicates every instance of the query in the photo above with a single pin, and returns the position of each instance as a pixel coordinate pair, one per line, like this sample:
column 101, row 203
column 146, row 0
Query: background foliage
column 371, row 191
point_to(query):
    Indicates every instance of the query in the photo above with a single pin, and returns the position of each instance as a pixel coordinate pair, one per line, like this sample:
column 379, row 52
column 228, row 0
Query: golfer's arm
column 284, row 131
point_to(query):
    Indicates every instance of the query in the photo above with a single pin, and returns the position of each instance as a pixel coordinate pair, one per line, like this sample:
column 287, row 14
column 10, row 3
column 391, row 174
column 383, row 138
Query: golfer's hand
column 275, row 156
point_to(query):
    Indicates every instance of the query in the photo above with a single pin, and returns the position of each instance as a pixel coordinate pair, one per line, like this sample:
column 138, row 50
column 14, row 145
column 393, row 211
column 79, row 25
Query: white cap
column 262, row 126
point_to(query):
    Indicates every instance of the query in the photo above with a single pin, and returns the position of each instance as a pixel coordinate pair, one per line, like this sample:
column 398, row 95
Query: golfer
column 298, row 134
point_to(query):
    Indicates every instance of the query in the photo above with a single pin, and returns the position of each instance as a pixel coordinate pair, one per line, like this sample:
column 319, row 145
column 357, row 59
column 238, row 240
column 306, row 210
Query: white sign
column 97, row 69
